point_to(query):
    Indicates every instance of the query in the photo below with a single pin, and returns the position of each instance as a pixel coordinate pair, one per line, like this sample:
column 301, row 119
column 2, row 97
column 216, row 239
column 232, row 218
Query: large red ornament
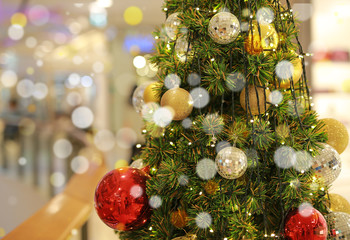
column 120, row 199
column 305, row 224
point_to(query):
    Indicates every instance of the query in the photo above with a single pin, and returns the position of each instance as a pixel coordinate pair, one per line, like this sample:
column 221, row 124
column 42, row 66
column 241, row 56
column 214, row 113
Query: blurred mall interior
column 67, row 73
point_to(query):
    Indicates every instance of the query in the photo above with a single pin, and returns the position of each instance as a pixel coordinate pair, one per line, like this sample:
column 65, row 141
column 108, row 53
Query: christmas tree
column 233, row 148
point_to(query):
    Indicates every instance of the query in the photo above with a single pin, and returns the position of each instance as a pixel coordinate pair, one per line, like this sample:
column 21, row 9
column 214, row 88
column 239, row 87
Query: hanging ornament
column 188, row 237
column 172, row 25
column 327, row 165
column 150, row 94
column 183, row 49
column 339, row 203
column 179, row 218
column 255, row 104
column 231, row 162
column 338, row 136
column 137, row 97
column 338, row 225
column 296, row 68
column 268, row 39
column 211, row 187
column 120, row 199
column 224, row 27
column 180, row 101
column 307, row 223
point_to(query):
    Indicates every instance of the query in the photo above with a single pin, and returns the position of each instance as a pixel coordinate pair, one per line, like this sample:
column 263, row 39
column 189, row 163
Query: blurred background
column 68, row 70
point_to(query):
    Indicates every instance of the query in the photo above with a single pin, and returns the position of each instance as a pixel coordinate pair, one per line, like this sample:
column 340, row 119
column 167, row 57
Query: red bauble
column 120, row 199
column 305, row 224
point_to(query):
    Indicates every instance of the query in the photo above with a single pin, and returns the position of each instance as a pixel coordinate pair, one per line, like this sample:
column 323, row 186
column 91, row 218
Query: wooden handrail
column 66, row 211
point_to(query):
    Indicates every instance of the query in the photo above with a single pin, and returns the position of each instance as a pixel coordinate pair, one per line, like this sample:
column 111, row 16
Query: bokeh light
column 126, row 137
column 275, row 97
column 57, row 179
column 206, row 169
column 194, row 79
column 148, row 111
column 203, row 220
column 265, row 15
column 200, row 97
column 187, row 123
column 155, row 201
column 303, row 161
column 121, row 163
column 136, row 191
column 284, row 69
column 8, row 78
column 285, row 157
column 2, row 232
column 62, row 148
column 133, row 15
column 139, row 62
column 87, row 81
column 98, row 67
column 74, row 99
column 82, row 117
column 19, row 19
column 104, row 140
column 25, row 88
column 40, row 91
column 38, row 15
column 172, row 81
column 15, row 32
column 235, row 81
column 73, row 79
column 163, row 116
column 22, row 161
column 104, row 3
column 183, row 180
column 31, row 42
column 79, row 164
column 305, row 209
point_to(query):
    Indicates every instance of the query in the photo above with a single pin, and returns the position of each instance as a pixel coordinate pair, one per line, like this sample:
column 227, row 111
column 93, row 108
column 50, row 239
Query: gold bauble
column 180, row 101
column 268, row 35
column 179, row 218
column 339, row 203
column 338, row 136
column 253, row 100
column 188, row 237
column 252, row 44
column 150, row 94
column 211, row 187
column 297, row 72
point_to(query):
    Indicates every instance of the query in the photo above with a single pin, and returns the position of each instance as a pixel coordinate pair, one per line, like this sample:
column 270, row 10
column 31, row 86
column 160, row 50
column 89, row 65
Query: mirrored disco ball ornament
column 137, row 97
column 224, row 27
column 172, row 25
column 231, row 163
column 338, row 225
column 327, row 165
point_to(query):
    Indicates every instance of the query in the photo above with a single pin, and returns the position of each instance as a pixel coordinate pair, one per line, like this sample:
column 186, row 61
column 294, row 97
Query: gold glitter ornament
column 150, row 94
column 338, row 136
column 254, row 102
column 179, row 218
column 188, row 237
column 297, row 72
column 339, row 203
column 180, row 101
column 268, row 38
column 211, row 187
column 252, row 44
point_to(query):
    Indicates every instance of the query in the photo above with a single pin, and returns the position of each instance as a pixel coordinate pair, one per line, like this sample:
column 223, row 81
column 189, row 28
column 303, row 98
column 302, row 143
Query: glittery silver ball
column 137, row 97
column 338, row 226
column 224, row 28
column 231, row 162
column 327, row 165
column 172, row 25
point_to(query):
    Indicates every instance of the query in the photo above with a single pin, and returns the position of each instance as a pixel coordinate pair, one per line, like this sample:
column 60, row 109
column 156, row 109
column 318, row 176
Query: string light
column 211, row 230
